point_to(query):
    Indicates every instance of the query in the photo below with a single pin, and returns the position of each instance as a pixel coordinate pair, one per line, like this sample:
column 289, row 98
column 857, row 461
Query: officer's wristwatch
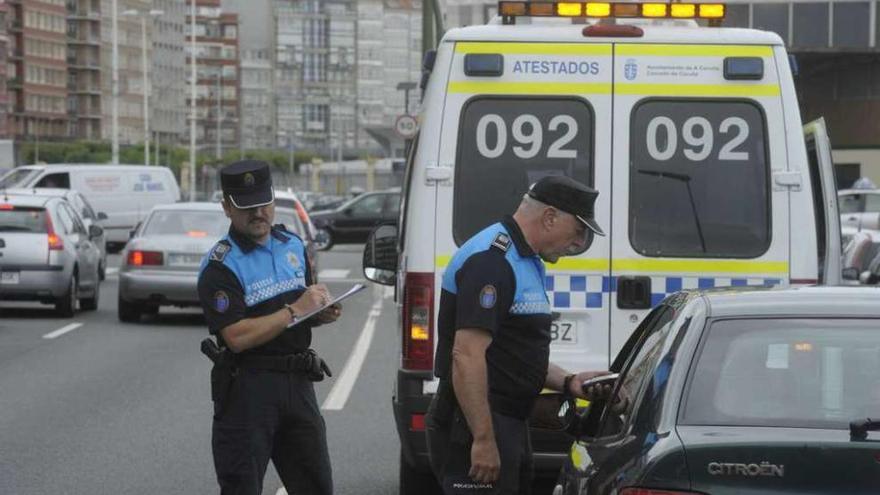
column 289, row 308
column 566, row 385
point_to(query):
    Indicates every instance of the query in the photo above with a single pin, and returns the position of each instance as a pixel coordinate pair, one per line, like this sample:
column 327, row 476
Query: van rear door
column 824, row 201
column 514, row 113
column 698, row 134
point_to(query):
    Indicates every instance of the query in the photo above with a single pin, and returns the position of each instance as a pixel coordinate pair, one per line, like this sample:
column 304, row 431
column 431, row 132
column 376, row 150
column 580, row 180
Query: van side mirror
column 380, row 255
column 95, row 231
column 850, row 273
column 102, row 215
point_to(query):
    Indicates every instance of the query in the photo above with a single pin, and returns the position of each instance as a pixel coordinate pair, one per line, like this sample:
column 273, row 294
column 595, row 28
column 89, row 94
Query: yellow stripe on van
column 528, row 88
column 698, row 89
column 534, row 48
column 694, row 50
column 740, row 267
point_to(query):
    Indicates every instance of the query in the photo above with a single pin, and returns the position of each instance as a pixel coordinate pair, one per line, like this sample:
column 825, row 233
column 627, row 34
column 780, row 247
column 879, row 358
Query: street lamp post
column 114, row 101
column 145, row 74
column 192, row 111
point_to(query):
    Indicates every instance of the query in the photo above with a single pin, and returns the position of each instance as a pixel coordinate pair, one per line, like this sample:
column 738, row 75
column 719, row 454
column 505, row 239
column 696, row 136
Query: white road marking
column 111, row 271
column 61, row 331
column 338, row 395
column 332, row 273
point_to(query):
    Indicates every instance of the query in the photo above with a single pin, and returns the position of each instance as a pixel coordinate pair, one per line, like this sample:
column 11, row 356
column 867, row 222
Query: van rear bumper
column 549, row 448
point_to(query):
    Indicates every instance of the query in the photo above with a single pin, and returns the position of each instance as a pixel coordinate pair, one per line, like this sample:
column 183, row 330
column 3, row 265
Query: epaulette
column 502, row 242
column 221, row 249
column 280, row 228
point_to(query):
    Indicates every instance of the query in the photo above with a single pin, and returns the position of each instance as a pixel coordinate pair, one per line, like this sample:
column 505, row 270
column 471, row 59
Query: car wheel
column 128, row 312
column 65, row 306
column 323, row 240
column 91, row 303
column 414, row 482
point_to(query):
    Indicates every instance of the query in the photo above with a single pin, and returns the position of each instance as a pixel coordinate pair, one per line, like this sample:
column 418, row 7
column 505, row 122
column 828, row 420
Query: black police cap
column 570, row 196
column 248, row 183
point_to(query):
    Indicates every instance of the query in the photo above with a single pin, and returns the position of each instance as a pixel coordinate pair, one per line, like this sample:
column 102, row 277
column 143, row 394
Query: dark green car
column 740, row 392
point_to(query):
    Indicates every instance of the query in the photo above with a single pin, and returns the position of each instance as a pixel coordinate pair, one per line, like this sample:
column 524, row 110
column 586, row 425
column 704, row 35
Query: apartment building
column 168, row 72
column 83, row 69
column 217, row 76
column 4, row 50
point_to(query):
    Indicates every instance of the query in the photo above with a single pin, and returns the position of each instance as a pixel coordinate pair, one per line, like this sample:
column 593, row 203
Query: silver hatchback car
column 160, row 263
column 47, row 254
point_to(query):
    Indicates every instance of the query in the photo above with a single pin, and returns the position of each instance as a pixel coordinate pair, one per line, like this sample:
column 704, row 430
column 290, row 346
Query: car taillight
column 654, row 491
column 141, row 258
column 418, row 321
column 55, row 242
column 6, row 206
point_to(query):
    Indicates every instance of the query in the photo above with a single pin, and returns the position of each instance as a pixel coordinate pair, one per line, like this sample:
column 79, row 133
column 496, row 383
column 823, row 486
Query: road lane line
column 333, row 273
column 61, row 331
column 338, row 395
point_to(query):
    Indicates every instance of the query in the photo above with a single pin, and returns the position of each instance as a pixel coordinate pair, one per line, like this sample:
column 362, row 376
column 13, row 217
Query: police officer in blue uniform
column 494, row 340
column 252, row 284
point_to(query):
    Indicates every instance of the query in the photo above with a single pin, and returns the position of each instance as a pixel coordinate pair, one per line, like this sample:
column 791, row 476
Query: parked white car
column 860, row 208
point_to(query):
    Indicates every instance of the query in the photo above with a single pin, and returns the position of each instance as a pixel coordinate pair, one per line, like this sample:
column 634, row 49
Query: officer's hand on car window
column 330, row 314
column 485, row 461
column 313, row 298
column 597, row 392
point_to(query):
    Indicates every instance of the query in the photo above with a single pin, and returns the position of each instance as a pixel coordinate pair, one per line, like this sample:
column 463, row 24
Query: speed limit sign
column 406, row 126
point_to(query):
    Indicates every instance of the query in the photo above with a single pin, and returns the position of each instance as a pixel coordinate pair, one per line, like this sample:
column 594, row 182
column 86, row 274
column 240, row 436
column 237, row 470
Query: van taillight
column 418, row 322
column 55, row 242
column 141, row 258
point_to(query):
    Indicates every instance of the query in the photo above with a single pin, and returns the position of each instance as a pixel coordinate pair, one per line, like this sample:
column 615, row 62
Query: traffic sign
column 406, row 126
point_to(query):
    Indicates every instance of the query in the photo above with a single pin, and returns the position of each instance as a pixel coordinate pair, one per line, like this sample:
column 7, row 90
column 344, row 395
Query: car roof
column 813, row 301
column 190, row 206
column 52, row 192
column 25, row 200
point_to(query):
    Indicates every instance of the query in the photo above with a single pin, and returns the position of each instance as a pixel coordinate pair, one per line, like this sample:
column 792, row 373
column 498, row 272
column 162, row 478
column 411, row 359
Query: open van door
column 824, row 201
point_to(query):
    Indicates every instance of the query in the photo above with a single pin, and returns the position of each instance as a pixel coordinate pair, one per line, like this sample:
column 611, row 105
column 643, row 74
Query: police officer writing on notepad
column 253, row 283
column 494, row 341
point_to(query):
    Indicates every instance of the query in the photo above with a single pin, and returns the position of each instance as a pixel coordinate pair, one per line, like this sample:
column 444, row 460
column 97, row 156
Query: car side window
column 636, row 373
column 58, row 180
column 78, row 225
column 872, row 203
column 852, row 203
column 392, row 205
column 86, row 208
column 369, row 206
column 66, row 219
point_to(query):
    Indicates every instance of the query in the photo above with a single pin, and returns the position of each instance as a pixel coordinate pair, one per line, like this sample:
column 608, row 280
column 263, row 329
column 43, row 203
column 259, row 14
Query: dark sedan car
column 740, row 392
column 353, row 221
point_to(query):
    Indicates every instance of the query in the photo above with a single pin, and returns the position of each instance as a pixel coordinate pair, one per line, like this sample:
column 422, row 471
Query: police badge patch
column 219, row 252
column 488, row 296
column 221, row 301
column 293, row 260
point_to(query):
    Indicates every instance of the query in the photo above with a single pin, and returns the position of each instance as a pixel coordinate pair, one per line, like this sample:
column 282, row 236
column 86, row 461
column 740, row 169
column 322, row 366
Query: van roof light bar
column 712, row 12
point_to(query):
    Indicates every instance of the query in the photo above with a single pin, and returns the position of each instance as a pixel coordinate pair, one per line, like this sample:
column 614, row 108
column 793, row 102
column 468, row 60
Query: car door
column 826, row 211
column 87, row 254
column 360, row 217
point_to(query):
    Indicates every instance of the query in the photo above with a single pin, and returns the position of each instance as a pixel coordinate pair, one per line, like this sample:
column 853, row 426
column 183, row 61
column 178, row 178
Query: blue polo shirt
column 240, row 279
column 495, row 282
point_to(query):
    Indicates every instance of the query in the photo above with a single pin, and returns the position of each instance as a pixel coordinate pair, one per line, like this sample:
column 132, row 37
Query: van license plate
column 564, row 332
column 8, row 278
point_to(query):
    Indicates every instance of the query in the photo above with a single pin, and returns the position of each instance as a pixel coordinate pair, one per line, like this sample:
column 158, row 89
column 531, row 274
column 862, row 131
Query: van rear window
column 22, row 219
column 507, row 144
column 699, row 179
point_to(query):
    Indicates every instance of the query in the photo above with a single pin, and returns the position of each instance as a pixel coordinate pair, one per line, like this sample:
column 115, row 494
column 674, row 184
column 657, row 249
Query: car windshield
column 211, row 224
column 18, row 219
column 808, row 373
column 16, row 177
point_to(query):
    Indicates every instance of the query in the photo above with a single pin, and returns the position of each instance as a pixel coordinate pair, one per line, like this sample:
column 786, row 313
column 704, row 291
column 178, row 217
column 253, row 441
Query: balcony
column 13, row 83
column 84, row 15
column 84, row 39
column 83, row 63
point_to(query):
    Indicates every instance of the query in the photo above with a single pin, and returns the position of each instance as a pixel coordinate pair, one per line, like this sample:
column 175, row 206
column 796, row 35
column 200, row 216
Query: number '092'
column 702, row 143
column 528, row 136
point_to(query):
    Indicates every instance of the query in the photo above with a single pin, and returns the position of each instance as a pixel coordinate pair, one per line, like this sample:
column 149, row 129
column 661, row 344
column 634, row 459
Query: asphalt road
column 89, row 405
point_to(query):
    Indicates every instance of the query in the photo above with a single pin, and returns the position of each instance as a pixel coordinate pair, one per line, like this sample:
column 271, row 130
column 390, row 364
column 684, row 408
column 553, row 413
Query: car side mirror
column 102, row 215
column 380, row 255
column 850, row 273
column 95, row 231
column 553, row 412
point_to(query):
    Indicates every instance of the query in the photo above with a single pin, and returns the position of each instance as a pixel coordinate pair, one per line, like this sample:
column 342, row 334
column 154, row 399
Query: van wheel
column 323, row 240
column 127, row 312
column 415, row 482
column 65, row 306
column 91, row 303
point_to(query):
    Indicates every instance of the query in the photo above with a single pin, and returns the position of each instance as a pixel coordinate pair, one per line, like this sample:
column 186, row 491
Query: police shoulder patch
column 220, row 251
column 221, row 301
column 502, row 242
column 488, row 297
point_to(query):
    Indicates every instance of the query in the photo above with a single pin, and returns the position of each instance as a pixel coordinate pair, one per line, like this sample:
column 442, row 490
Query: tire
column 65, row 306
column 415, row 482
column 127, row 312
column 91, row 303
column 323, row 240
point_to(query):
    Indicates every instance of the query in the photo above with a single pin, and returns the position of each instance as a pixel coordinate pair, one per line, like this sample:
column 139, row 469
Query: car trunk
column 743, row 460
column 24, row 240
column 180, row 253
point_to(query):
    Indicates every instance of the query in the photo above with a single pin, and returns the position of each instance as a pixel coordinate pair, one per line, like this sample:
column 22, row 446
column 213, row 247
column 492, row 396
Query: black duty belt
column 307, row 362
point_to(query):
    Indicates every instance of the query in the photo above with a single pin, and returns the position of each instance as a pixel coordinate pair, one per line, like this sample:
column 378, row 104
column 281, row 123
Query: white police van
column 691, row 134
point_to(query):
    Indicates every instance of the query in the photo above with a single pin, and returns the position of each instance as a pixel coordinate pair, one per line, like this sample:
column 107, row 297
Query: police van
column 690, row 132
